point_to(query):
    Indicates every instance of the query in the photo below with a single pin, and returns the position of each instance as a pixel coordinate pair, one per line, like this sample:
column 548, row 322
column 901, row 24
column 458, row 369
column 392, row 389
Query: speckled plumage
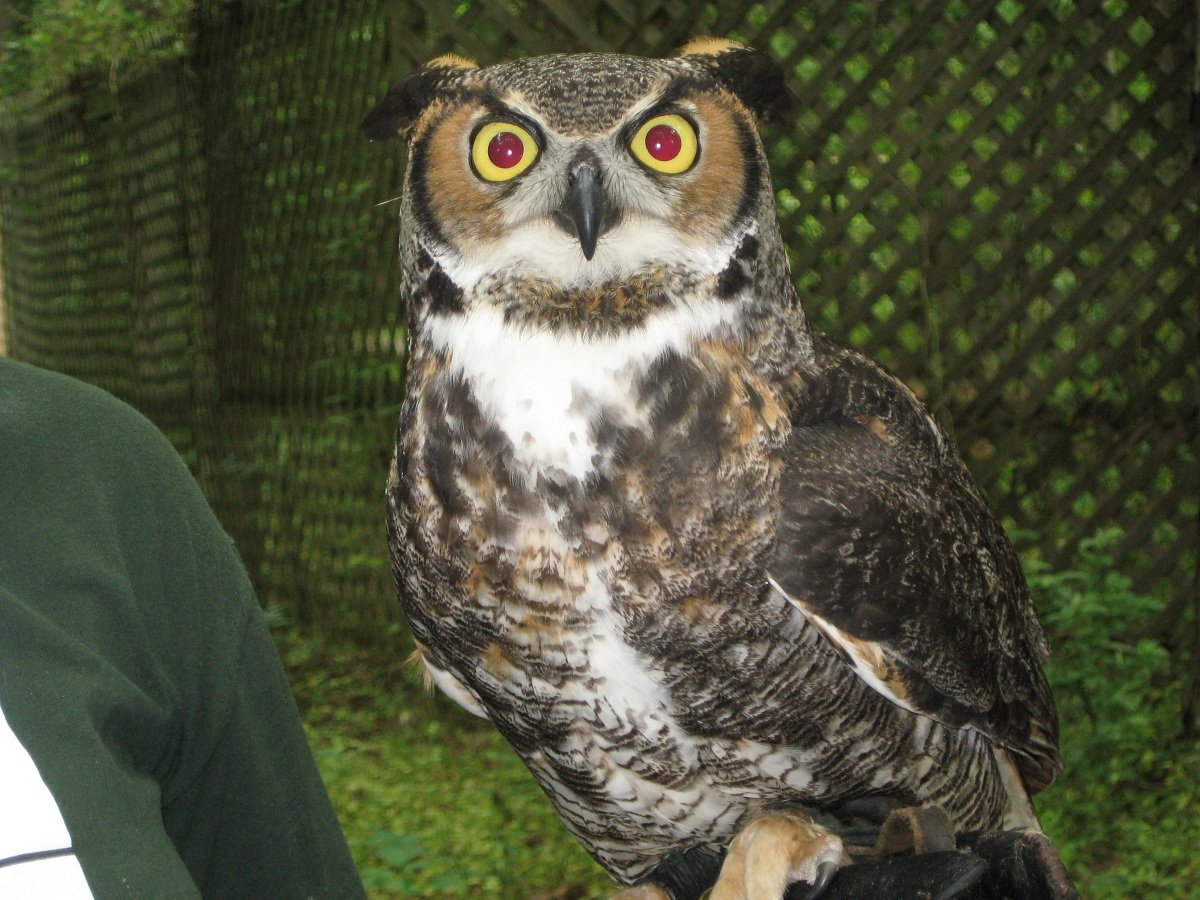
column 692, row 558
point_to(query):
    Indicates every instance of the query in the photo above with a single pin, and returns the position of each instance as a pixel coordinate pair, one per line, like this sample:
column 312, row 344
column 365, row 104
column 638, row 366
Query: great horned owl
column 709, row 571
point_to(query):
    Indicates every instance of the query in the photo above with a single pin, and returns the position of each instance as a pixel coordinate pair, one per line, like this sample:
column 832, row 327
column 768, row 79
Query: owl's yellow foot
column 642, row 892
column 777, row 849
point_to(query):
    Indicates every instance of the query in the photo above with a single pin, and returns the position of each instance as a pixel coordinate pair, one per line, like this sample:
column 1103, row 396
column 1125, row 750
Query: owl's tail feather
column 1020, row 812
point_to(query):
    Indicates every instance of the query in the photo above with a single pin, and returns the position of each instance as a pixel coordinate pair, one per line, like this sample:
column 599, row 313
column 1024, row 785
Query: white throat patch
column 543, row 250
column 542, row 389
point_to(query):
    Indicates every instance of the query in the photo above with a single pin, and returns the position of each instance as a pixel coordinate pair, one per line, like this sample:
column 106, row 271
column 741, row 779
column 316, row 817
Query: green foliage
column 46, row 42
column 433, row 801
column 1123, row 811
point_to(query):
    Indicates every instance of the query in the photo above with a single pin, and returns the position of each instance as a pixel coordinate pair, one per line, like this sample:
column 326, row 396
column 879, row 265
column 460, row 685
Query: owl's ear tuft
column 754, row 77
column 450, row 61
column 706, row 45
column 398, row 111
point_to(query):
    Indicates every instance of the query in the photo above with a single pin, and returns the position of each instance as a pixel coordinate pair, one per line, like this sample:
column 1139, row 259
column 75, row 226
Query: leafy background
column 998, row 199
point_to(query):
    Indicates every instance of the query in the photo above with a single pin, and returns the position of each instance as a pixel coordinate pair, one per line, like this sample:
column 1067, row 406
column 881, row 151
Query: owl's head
column 585, row 169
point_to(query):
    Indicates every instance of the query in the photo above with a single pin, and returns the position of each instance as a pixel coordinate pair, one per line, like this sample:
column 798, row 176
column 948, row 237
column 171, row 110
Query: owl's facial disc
column 504, row 190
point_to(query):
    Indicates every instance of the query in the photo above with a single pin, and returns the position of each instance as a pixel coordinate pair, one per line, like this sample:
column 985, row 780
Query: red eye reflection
column 505, row 150
column 663, row 143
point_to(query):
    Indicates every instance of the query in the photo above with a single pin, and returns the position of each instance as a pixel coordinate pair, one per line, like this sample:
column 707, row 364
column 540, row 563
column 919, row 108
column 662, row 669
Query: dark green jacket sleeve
column 135, row 667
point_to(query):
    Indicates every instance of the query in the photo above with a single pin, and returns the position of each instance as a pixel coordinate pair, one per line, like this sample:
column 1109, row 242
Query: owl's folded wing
column 888, row 548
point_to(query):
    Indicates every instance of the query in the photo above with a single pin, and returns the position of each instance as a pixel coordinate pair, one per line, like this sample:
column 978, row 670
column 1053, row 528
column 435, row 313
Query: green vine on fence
column 46, row 43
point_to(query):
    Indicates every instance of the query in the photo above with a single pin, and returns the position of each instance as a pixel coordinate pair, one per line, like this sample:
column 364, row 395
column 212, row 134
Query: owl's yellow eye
column 666, row 144
column 501, row 151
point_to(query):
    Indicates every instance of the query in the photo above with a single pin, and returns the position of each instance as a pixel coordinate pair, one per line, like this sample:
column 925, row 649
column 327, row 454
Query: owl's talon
column 776, row 849
column 825, row 873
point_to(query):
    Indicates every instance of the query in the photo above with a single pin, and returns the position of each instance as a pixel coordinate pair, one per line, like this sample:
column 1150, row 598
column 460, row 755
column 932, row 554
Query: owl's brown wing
column 888, row 547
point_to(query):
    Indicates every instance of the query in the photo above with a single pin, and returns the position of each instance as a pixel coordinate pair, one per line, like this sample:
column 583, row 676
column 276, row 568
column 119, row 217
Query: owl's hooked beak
column 585, row 211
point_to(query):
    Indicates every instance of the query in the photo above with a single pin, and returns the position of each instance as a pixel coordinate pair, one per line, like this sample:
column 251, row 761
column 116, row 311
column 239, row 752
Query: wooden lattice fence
column 998, row 199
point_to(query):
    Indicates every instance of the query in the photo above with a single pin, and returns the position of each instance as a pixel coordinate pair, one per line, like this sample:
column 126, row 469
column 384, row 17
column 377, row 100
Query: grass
column 433, row 801
column 1126, row 810
column 434, row 804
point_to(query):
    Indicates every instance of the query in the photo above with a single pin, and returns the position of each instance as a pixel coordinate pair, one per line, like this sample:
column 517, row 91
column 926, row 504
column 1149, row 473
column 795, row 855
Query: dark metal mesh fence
column 997, row 199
